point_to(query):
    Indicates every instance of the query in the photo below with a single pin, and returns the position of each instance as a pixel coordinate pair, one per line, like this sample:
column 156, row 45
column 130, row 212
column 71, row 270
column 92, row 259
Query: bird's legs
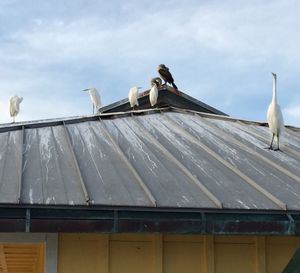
column 277, row 149
column 271, row 145
column 271, row 148
column 93, row 109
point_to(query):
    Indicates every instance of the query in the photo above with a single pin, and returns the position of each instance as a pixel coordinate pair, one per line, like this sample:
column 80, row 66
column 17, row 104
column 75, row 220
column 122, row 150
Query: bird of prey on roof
column 166, row 75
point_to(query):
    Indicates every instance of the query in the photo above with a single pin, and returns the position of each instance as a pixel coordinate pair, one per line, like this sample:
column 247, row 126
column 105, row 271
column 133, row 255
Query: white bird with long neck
column 274, row 116
column 153, row 94
column 14, row 106
column 133, row 96
column 95, row 98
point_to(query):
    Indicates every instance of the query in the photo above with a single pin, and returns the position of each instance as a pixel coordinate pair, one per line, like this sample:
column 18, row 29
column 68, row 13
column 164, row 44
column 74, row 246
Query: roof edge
column 76, row 119
column 179, row 221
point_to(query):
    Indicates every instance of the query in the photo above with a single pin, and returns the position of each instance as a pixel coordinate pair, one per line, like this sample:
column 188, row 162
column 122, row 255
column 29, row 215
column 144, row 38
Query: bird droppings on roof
column 161, row 157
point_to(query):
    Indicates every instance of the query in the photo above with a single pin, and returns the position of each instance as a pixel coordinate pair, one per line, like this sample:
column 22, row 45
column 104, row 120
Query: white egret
column 133, row 96
column 95, row 98
column 274, row 116
column 153, row 94
column 14, row 106
column 157, row 81
column 166, row 75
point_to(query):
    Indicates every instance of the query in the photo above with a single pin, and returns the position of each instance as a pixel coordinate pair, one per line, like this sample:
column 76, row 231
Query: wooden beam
column 260, row 244
column 104, row 257
column 3, row 259
column 209, row 254
column 15, row 267
column 31, row 255
column 20, row 263
column 157, row 244
column 39, row 267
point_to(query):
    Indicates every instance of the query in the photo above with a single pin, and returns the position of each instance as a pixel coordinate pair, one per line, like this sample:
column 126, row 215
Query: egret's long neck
column 274, row 98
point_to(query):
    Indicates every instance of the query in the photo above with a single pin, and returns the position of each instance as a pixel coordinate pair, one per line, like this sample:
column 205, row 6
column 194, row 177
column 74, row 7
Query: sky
column 220, row 52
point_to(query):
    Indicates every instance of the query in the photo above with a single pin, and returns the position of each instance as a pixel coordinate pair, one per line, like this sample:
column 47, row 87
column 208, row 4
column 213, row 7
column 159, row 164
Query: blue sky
column 220, row 52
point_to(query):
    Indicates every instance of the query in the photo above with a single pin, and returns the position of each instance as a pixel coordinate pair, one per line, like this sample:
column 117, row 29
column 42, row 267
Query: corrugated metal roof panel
column 108, row 179
column 10, row 166
column 226, row 184
column 49, row 176
column 169, row 159
column 264, row 174
column 169, row 185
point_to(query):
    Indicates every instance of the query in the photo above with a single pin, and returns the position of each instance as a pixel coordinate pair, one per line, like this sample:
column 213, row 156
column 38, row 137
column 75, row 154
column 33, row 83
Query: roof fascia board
column 123, row 220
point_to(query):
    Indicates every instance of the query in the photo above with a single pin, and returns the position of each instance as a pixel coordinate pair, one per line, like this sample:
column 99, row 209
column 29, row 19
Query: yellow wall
column 133, row 253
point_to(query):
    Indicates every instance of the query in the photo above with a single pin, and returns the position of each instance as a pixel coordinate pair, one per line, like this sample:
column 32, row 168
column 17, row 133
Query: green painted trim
column 294, row 265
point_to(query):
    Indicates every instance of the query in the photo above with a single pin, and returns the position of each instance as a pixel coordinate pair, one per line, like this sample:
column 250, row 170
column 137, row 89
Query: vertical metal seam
column 57, row 163
column 40, row 161
column 129, row 165
column 193, row 178
column 116, row 221
column 21, row 171
column 27, row 220
column 98, row 170
column 68, row 139
column 231, row 167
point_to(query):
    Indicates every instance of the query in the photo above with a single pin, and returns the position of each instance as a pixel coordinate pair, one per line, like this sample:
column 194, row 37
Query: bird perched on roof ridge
column 153, row 94
column 157, row 81
column 95, row 98
column 133, row 96
column 166, row 75
column 274, row 116
column 14, row 106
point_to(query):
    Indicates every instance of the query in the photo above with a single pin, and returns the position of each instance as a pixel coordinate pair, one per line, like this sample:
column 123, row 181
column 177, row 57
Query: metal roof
column 165, row 158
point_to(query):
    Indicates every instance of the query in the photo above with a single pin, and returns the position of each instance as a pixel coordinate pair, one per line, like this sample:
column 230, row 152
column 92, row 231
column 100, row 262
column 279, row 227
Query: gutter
column 146, row 220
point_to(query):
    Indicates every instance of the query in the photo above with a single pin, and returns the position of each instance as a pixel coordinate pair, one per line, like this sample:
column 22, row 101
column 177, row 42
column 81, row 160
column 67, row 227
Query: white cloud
column 221, row 53
column 292, row 114
column 4, row 113
column 251, row 33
